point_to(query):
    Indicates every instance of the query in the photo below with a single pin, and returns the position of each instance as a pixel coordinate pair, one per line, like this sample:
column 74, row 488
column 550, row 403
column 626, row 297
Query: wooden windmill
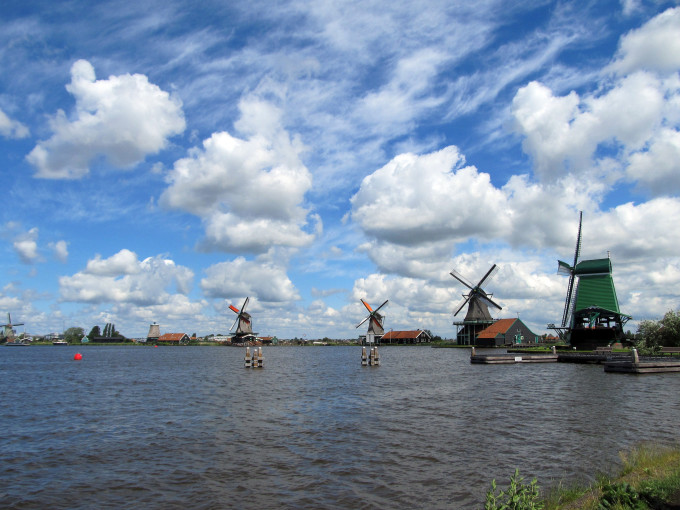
column 8, row 329
column 477, row 317
column 591, row 315
column 375, row 323
column 243, row 324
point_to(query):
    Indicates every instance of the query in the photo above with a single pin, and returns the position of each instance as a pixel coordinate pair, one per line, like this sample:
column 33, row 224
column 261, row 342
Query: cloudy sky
column 162, row 160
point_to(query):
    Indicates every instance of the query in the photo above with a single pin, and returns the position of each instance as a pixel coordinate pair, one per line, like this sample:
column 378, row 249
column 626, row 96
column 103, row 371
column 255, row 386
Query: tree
column 74, row 335
column 94, row 332
column 662, row 333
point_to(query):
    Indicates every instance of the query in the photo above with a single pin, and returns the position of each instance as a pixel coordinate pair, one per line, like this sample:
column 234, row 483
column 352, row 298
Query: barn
column 506, row 332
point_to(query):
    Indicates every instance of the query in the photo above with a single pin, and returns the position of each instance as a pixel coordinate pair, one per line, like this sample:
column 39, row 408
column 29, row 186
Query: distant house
column 173, row 339
column 506, row 332
column 405, row 337
column 268, row 340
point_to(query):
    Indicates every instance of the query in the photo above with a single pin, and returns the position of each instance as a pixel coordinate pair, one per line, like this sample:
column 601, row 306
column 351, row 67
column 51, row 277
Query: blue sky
column 161, row 160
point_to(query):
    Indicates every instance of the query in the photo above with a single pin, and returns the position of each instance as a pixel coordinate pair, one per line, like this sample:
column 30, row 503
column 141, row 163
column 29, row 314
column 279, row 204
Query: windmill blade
column 368, row 307
column 487, row 299
column 234, row 324
column 234, row 309
column 567, row 304
column 463, row 303
column 460, row 278
column 376, row 321
column 376, row 310
column 577, row 251
column 367, row 317
column 245, row 303
column 489, row 274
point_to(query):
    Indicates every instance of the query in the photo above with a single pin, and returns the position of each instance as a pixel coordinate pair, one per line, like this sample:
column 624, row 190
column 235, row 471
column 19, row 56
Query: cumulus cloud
column 627, row 128
column 60, row 249
column 429, row 198
column 122, row 278
column 655, row 46
column 26, row 246
column 124, row 118
column 11, row 128
column 241, row 278
column 248, row 191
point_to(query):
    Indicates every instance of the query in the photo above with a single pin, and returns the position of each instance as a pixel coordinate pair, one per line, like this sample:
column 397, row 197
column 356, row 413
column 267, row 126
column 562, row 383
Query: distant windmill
column 375, row 324
column 591, row 315
column 8, row 329
column 243, row 323
column 478, row 316
column 154, row 332
column 478, row 299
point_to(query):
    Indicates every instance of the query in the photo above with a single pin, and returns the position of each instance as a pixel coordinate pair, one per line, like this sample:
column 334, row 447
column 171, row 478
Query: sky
column 161, row 160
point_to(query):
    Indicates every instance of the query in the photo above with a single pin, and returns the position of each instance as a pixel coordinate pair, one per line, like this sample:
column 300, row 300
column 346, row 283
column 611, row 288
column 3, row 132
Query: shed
column 405, row 337
column 506, row 332
column 174, row 339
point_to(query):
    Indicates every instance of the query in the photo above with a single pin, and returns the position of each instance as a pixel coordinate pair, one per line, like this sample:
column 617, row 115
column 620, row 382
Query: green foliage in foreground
column 518, row 495
column 649, row 479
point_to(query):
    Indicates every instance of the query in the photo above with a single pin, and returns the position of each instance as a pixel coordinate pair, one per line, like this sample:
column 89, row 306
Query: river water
column 189, row 427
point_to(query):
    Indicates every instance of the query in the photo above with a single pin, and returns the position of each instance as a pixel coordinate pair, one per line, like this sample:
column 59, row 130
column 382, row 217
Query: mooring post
column 260, row 359
column 364, row 359
column 554, row 350
column 636, row 358
column 473, row 352
column 248, row 362
column 375, row 359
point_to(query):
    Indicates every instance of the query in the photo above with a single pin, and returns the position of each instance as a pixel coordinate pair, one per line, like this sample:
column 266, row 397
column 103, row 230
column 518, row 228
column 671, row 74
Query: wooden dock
column 500, row 359
column 642, row 367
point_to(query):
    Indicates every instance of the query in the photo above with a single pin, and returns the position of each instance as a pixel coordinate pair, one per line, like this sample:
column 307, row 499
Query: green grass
column 648, row 479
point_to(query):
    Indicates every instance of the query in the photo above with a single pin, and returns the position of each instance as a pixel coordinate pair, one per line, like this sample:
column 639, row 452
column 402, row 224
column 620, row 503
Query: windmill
column 478, row 301
column 566, row 269
column 591, row 315
column 243, row 324
column 8, row 329
column 375, row 325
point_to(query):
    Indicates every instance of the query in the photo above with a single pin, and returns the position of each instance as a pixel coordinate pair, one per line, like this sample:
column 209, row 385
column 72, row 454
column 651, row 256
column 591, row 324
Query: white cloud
column 124, row 118
column 655, row 46
column 658, row 168
column 241, row 278
column 123, row 279
column 60, row 250
column 26, row 246
column 415, row 199
column 250, row 191
column 11, row 128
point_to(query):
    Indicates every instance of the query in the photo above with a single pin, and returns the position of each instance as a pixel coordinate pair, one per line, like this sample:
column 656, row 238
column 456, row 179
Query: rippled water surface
column 189, row 427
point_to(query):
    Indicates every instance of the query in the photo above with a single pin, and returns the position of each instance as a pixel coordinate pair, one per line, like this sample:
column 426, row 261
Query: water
column 189, row 427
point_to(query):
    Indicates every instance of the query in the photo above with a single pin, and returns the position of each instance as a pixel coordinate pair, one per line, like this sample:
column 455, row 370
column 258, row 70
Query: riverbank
column 648, row 479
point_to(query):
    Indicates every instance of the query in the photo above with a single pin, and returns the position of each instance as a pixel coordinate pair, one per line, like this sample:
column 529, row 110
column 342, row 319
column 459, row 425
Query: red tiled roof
column 393, row 335
column 171, row 337
column 500, row 327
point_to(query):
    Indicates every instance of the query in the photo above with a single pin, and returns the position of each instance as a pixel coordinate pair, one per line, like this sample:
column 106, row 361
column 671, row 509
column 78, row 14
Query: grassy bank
column 648, row 479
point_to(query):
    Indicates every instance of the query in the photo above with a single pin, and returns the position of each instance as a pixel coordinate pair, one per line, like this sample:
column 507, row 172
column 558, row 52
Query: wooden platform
column 498, row 359
column 642, row 367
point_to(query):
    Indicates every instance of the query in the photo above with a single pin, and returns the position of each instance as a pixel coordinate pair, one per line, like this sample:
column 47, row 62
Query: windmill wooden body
column 375, row 323
column 591, row 316
column 478, row 316
column 8, row 329
column 243, row 324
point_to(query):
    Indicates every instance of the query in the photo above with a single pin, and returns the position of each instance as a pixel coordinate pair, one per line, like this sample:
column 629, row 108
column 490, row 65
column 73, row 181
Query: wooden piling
column 375, row 359
column 364, row 359
column 248, row 362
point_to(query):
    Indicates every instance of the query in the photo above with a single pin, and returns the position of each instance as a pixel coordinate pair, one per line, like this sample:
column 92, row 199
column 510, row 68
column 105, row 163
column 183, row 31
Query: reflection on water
column 180, row 427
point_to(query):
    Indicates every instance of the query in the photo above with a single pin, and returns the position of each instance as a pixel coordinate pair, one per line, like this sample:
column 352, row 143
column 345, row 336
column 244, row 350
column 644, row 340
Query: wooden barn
column 405, row 337
column 506, row 332
column 173, row 339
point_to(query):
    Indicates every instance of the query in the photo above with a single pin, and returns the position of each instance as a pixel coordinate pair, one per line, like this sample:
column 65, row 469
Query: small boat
column 59, row 342
column 17, row 344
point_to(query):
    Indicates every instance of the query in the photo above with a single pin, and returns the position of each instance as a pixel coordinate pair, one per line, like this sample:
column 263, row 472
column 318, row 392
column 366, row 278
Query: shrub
column 518, row 496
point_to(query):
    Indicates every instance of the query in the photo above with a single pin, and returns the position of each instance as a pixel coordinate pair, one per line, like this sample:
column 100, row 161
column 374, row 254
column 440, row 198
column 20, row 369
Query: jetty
column 510, row 358
column 635, row 365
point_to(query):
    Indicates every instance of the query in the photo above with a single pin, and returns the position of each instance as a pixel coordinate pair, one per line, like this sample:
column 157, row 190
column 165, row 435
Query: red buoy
column 77, row 356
